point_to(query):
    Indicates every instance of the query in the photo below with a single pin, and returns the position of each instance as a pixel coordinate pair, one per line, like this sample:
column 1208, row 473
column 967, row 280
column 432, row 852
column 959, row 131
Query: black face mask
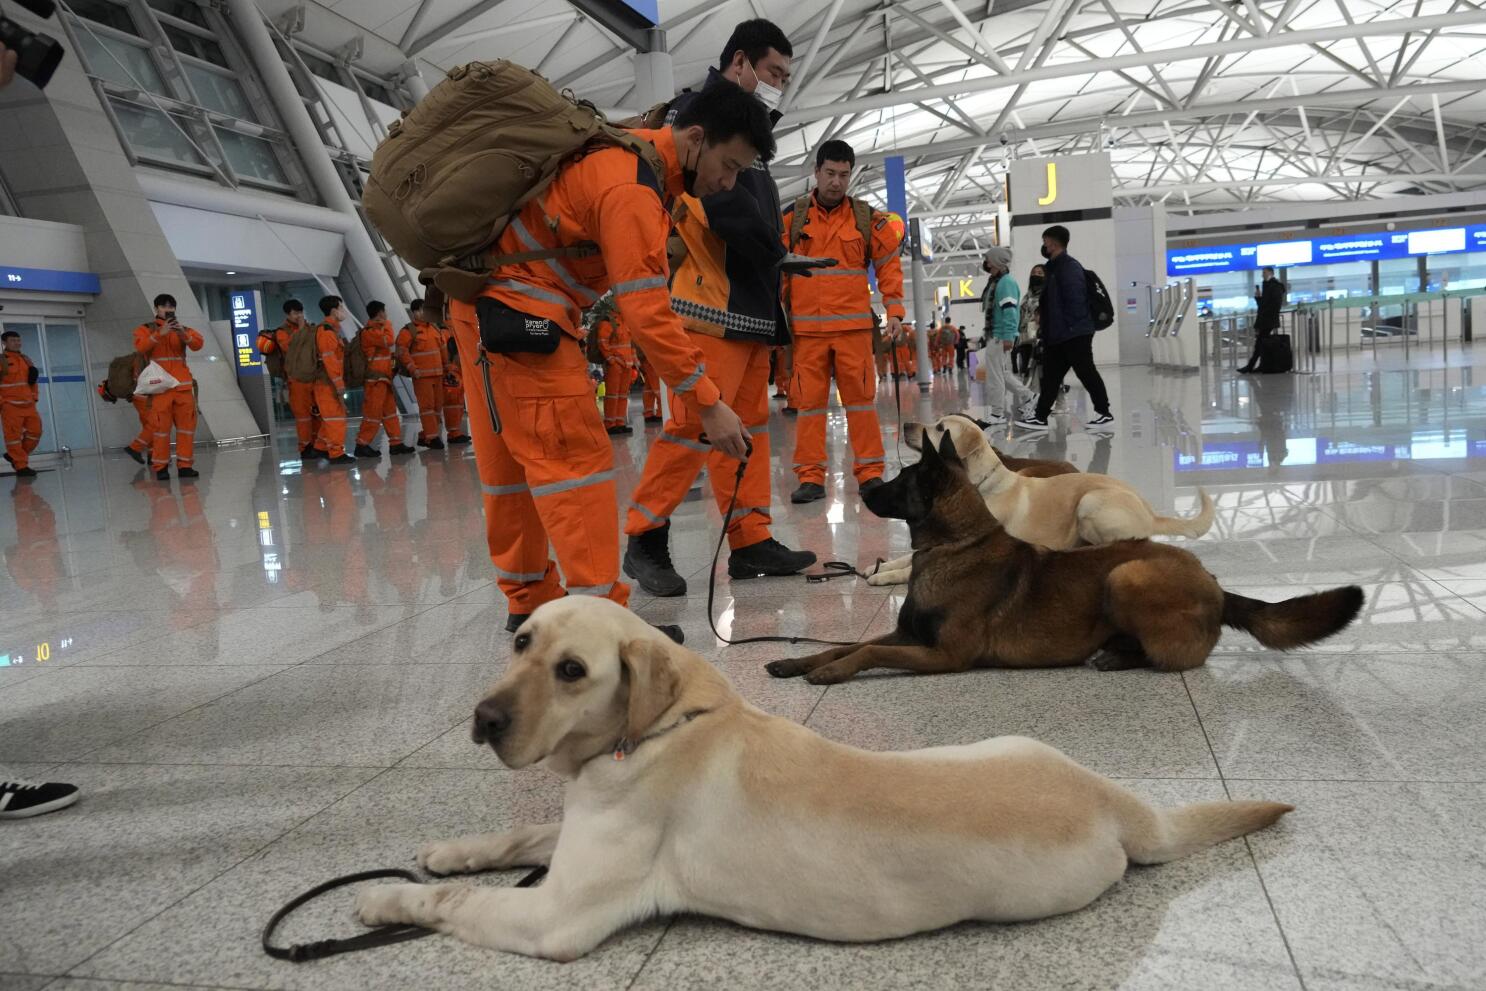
column 1036, row 283
column 1046, row 253
column 689, row 176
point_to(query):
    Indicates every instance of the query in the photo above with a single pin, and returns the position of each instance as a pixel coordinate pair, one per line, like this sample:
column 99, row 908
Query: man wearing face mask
column 165, row 341
column 726, row 291
column 1067, row 333
column 546, row 465
column 1003, row 320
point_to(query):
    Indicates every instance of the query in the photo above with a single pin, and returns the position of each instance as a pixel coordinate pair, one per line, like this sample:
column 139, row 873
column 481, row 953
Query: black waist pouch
column 507, row 331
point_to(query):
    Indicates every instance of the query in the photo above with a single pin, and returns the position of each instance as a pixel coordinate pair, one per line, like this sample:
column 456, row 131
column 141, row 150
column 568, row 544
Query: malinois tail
column 1191, row 526
column 1294, row 622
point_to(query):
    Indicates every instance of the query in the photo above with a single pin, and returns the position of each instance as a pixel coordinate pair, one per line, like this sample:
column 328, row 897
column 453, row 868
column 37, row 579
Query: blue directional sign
column 1210, row 258
column 48, row 280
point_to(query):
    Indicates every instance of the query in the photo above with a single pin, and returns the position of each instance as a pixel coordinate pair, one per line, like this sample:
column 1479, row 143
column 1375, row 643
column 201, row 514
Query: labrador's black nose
column 490, row 722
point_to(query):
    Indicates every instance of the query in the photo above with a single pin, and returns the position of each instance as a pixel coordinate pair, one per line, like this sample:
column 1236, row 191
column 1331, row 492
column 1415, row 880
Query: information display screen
column 1319, row 251
column 246, row 356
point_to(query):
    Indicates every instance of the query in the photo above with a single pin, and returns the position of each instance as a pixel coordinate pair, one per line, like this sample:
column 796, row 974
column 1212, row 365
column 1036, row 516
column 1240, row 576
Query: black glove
column 793, row 264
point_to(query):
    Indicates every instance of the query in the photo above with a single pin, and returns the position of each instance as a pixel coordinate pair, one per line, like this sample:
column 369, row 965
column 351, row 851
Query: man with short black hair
column 831, row 316
column 378, row 404
column 330, row 381
column 165, row 342
column 1067, row 333
column 422, row 353
column 19, row 393
column 1270, row 299
column 301, row 394
column 726, row 291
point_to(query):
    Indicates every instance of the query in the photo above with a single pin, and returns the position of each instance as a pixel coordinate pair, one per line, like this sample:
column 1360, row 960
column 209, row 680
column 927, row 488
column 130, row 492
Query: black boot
column 767, row 557
column 647, row 559
column 367, row 451
column 807, row 492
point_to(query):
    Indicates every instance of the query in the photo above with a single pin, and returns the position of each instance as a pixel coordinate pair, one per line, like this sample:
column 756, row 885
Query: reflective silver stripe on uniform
column 884, row 256
column 695, row 445
column 840, row 271
column 893, row 299
column 740, row 511
column 501, row 490
column 423, row 354
column 552, row 488
column 762, row 428
column 326, row 354
column 861, row 409
column 520, row 576
column 870, row 461
column 590, row 589
column 657, row 520
column 639, row 285
column 809, row 464
column 555, row 264
column 811, row 412
column 830, row 317
column 522, row 289
column 690, row 382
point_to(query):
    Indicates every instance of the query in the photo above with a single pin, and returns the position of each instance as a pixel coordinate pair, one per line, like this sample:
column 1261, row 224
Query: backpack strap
column 863, row 212
column 797, row 218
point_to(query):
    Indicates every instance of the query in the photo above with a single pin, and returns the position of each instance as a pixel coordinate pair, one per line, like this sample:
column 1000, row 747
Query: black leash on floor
column 381, row 936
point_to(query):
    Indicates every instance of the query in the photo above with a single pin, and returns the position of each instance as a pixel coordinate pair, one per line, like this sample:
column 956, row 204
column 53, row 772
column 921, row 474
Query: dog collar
column 625, row 746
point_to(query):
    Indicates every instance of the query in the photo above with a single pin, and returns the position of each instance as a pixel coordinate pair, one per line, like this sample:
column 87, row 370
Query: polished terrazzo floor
column 263, row 680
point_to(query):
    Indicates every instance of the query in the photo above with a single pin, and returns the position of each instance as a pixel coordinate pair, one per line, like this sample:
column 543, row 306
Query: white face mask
column 770, row 96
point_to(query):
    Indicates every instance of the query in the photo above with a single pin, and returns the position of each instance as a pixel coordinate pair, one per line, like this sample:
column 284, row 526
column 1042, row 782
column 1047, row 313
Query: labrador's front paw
column 387, row 904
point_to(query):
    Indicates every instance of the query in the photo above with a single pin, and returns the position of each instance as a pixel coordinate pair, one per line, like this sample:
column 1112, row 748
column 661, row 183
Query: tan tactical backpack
column 302, row 363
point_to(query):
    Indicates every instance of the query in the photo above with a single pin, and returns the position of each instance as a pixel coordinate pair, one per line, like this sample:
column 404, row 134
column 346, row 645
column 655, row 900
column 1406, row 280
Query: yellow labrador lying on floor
column 682, row 797
column 1058, row 512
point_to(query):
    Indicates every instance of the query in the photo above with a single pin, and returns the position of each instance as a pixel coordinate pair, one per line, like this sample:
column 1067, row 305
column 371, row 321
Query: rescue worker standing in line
column 546, row 466
column 726, row 291
column 330, row 381
column 379, row 404
column 19, row 393
column 165, row 342
column 421, row 352
column 301, row 394
column 619, row 373
column 650, row 394
column 907, row 356
column 454, row 432
column 831, row 313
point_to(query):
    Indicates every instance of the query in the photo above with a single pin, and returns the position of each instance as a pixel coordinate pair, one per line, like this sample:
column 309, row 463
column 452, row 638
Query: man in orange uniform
column 726, row 291
column 330, row 382
column 165, row 342
column 139, row 447
column 421, row 352
column 619, row 373
column 832, row 317
column 546, row 466
column 301, row 394
column 454, row 406
column 19, row 393
column 650, row 394
column 907, row 355
column 379, row 404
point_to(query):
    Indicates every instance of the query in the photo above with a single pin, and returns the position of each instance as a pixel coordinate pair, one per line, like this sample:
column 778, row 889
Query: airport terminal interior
column 228, row 675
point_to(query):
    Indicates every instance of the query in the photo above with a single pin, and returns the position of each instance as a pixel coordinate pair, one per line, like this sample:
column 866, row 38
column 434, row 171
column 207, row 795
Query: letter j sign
column 1052, row 185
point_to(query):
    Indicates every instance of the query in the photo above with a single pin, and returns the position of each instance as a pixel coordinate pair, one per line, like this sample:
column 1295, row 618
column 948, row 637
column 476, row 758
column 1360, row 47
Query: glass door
column 55, row 346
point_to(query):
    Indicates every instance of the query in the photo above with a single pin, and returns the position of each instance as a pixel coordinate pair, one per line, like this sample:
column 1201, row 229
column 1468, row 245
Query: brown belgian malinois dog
column 981, row 598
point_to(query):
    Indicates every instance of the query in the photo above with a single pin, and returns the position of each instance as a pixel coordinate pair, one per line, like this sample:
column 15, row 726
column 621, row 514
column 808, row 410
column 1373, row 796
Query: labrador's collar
column 626, row 746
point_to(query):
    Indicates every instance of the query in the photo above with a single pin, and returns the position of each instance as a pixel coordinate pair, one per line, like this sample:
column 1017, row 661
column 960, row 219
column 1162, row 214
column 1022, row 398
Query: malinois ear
column 947, row 450
column 653, row 685
column 929, row 455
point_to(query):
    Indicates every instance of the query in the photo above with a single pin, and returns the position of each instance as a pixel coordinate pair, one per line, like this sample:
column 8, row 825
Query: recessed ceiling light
column 231, row 273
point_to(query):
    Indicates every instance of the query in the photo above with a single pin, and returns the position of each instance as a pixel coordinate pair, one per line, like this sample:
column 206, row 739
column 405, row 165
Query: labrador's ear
column 653, row 685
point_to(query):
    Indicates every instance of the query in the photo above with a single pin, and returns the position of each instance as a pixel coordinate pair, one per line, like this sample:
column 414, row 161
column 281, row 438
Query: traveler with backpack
column 454, row 408
column 831, row 314
column 19, row 394
column 379, row 403
column 1003, row 324
column 726, row 292
column 274, row 345
column 1068, row 326
column 1270, row 299
column 330, row 381
column 545, row 463
column 422, row 354
column 165, row 342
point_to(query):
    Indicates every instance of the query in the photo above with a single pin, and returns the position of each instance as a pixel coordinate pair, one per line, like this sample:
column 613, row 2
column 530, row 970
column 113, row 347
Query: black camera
column 38, row 55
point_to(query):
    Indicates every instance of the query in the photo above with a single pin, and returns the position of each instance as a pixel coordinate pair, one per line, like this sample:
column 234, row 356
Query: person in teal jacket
column 1003, row 321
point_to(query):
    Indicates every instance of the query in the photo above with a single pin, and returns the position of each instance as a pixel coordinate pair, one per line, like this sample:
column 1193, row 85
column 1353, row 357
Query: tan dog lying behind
column 720, row 809
column 1058, row 512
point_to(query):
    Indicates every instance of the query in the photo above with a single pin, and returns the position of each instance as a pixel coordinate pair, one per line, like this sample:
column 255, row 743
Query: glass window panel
column 220, row 93
column 120, row 62
column 375, row 91
column 184, row 9
column 68, row 394
column 1398, row 275
column 251, row 158
column 152, row 135
column 320, row 67
column 104, row 12
column 189, row 44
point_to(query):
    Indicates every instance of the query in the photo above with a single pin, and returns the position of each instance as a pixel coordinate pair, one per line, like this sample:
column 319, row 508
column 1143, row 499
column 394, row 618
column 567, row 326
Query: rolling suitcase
column 1275, row 355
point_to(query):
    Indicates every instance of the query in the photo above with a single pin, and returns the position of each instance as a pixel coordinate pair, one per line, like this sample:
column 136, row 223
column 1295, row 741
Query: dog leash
column 380, row 936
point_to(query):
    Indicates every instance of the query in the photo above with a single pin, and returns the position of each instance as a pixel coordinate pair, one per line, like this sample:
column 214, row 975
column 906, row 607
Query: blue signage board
column 1323, row 250
column 48, row 280
column 648, row 9
column 245, row 306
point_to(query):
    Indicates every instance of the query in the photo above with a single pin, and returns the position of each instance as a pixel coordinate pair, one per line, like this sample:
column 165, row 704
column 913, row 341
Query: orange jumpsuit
column 421, row 351
column 547, row 468
column 329, row 384
column 378, row 405
column 619, row 370
column 301, row 394
column 651, row 393
column 906, row 352
column 453, row 389
column 186, row 556
column 18, row 416
column 173, row 407
column 831, row 314
column 146, row 436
